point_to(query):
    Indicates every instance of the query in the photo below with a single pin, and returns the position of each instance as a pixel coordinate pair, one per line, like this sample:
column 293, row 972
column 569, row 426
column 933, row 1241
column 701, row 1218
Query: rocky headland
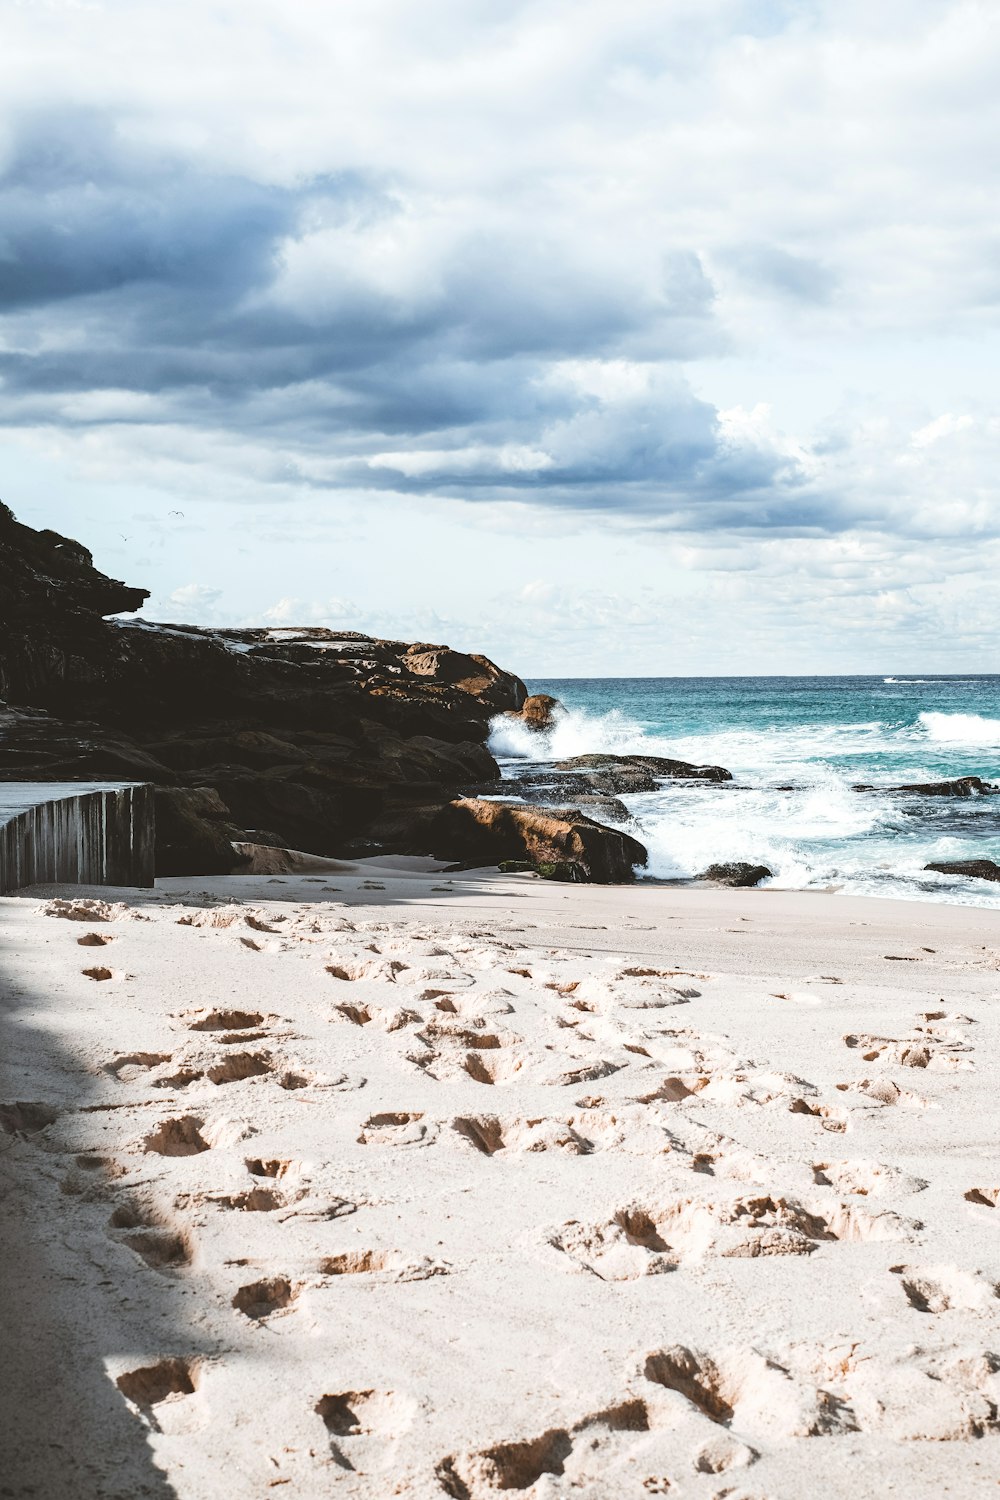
column 331, row 742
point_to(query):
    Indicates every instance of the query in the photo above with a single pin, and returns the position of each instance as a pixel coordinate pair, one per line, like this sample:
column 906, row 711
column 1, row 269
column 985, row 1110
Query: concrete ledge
column 77, row 833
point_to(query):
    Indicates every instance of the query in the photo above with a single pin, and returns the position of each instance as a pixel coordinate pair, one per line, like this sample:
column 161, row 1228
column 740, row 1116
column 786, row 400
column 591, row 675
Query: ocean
column 818, row 735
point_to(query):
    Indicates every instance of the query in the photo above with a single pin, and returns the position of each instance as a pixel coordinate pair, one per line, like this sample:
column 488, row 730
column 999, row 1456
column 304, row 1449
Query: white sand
column 561, row 1191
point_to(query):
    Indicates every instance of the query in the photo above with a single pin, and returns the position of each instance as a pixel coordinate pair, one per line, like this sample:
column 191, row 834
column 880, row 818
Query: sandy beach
column 382, row 1181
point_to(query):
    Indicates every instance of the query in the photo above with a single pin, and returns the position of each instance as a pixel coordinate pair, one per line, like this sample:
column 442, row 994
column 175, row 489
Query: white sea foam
column 961, row 729
column 818, row 834
column 575, row 732
column 799, row 835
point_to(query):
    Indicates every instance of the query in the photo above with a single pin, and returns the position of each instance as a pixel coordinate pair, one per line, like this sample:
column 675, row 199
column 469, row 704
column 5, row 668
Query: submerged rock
column 977, row 869
column 738, row 873
column 619, row 771
column 960, row 786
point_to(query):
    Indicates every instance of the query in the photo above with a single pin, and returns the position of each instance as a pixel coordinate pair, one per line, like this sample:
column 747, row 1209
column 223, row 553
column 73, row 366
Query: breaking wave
column 961, row 729
column 796, row 755
column 575, row 732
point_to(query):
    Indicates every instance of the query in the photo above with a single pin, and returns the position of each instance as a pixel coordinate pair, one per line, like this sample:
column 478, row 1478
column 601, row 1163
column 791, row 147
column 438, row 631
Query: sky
column 655, row 337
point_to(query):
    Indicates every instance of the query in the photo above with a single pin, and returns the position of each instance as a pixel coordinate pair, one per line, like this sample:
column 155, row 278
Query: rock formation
column 959, row 786
column 618, row 771
column 976, row 869
column 489, row 832
column 737, row 873
column 305, row 738
column 538, row 712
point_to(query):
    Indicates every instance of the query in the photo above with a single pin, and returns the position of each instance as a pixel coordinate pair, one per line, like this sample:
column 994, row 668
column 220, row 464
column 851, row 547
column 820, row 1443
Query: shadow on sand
column 77, row 1301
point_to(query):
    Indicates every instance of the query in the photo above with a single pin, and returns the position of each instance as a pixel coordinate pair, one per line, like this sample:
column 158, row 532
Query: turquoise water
column 816, row 734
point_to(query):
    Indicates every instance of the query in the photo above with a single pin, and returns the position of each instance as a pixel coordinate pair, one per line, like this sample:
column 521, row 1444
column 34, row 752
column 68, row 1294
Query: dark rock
column 564, row 870
column 311, row 734
column 623, row 770
column 737, row 873
column 604, row 808
column 976, row 869
column 961, row 786
column 43, row 570
column 538, row 712
column 473, row 829
column 34, row 746
column 475, row 675
column 194, row 832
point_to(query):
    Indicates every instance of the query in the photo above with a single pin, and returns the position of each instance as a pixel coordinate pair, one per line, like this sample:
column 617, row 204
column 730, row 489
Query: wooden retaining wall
column 78, row 833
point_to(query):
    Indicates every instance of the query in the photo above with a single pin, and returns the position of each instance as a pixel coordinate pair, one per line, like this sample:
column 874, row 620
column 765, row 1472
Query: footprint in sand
column 239, row 1066
column 883, row 1092
column 937, row 1289
column 188, row 1135
column 132, row 1065
column 582, row 1452
column 157, row 1239
column 225, row 1020
column 865, row 1178
column 986, row 1197
column 387, row 1265
column 397, row 1128
column 180, row 1136
column 644, row 1240
column 260, row 1300
column 931, row 1051
column 272, row 1166
column 351, row 1417
column 165, row 1395
column 748, row 1392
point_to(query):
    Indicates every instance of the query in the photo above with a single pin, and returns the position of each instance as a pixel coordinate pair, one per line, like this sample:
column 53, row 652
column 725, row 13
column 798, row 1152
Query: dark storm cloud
column 81, row 213
column 124, row 269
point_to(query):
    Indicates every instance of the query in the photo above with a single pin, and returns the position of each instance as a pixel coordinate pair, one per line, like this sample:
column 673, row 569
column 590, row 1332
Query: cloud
column 715, row 271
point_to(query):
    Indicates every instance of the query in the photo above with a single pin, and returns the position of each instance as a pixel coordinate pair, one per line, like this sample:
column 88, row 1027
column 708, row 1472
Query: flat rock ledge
column 975, row 869
column 959, row 786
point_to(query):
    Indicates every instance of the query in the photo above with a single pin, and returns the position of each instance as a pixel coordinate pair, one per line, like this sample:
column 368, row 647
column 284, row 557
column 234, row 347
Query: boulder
column 538, row 712
column 960, row 786
column 194, row 832
column 737, row 873
column 975, row 869
column 472, row 674
column 472, row 828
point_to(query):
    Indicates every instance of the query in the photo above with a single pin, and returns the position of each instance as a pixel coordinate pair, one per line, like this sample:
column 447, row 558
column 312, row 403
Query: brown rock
column 474, row 828
column 472, row 674
column 538, row 712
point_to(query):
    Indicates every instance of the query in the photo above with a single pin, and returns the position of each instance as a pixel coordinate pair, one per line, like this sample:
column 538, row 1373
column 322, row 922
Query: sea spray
column 961, row 729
